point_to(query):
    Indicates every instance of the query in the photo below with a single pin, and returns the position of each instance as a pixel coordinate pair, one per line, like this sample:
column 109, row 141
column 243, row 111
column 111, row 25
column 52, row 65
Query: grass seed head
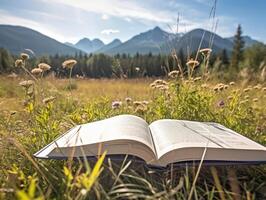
column 69, row 64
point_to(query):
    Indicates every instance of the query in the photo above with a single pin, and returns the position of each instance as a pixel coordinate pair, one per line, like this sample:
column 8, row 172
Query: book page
column 169, row 135
column 125, row 133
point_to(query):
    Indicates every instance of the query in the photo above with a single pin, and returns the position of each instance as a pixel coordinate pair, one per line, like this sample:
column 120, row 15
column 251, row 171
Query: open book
column 160, row 143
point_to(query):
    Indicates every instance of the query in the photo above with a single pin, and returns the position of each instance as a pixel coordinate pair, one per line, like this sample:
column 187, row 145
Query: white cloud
column 105, row 17
column 120, row 8
column 109, row 31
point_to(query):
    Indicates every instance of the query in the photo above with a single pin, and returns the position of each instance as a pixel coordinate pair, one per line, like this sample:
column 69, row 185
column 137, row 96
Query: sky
column 72, row 20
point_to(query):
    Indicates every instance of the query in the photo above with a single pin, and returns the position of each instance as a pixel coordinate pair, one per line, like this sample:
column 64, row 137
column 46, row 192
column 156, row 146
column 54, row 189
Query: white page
column 169, row 135
column 122, row 127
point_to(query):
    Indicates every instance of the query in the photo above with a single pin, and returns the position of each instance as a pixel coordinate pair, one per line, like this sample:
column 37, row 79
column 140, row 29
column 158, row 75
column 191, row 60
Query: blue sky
column 71, row 20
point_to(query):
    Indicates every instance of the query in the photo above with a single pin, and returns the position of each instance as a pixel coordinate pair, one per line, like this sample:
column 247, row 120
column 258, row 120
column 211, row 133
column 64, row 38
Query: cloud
column 105, row 17
column 120, row 8
column 109, row 31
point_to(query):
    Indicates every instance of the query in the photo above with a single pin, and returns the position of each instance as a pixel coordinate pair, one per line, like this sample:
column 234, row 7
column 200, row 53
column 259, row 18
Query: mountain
column 143, row 43
column 111, row 45
column 89, row 46
column 248, row 40
column 190, row 42
column 17, row 38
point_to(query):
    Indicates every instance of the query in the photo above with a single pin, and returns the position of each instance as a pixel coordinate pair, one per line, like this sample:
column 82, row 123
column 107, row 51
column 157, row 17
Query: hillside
column 17, row 38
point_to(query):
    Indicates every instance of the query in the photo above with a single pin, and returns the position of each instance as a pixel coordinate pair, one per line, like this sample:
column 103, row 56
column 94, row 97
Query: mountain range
column 18, row 39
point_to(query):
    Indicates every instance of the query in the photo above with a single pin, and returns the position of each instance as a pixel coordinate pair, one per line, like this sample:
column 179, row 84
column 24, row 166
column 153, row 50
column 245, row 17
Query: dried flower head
column 232, row 83
column 247, row 89
column 173, row 74
column 137, row 103
column 229, row 97
column 18, row 63
column 152, row 85
column 226, row 86
column 26, row 84
column 128, row 100
column 48, row 100
column 44, row 66
column 69, row 64
column 221, row 103
column 116, row 104
column 36, row 71
column 141, row 109
column 197, row 79
column 246, row 97
column 206, row 52
column 12, row 75
column 204, row 85
column 192, row 63
column 137, row 69
column 255, row 100
column 264, row 89
column 24, row 56
column 145, row 102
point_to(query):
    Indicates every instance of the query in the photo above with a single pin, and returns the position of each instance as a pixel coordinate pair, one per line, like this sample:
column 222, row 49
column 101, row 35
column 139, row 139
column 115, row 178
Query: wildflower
column 152, row 85
column 128, row 100
column 192, row 63
column 229, row 97
column 36, row 71
column 204, row 85
column 83, row 192
column 116, row 104
column 158, row 81
column 24, row 56
column 137, row 103
column 221, row 103
column 216, row 89
column 69, row 64
column 44, row 66
column 26, row 84
column 12, row 75
column 173, row 74
column 226, row 86
column 197, row 79
column 141, row 109
column 145, row 102
column 18, row 63
column 206, row 52
column 13, row 112
column 247, row 89
column 255, row 100
column 137, row 69
column 232, row 83
column 48, row 100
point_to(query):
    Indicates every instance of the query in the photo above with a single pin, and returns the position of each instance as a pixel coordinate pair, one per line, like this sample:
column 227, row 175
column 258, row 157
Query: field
column 32, row 116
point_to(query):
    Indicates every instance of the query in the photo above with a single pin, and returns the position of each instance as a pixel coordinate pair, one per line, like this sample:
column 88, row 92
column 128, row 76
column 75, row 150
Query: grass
column 26, row 128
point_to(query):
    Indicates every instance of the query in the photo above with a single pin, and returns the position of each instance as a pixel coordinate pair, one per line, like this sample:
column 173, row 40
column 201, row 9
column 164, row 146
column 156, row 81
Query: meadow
column 33, row 113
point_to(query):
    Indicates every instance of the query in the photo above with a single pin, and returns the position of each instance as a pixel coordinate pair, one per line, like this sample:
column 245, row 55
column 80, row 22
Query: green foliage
column 237, row 54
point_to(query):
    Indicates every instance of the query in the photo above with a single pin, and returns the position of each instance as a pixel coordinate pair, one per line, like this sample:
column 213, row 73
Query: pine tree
column 237, row 54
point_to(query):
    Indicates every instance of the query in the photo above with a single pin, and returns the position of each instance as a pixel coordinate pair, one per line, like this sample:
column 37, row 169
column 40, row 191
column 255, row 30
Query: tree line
column 124, row 65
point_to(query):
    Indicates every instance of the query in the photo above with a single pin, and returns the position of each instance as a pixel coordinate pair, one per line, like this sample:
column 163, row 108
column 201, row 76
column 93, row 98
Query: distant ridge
column 89, row 46
column 17, row 38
